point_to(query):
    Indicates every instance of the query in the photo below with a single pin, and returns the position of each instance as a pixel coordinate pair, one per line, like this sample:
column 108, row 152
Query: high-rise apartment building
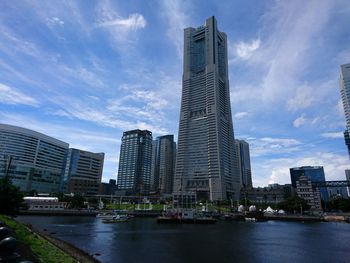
column 134, row 172
column 205, row 162
column 83, row 172
column 344, row 83
column 243, row 159
column 32, row 160
column 163, row 164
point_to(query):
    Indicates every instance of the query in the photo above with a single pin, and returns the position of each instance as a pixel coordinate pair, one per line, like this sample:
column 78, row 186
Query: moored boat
column 185, row 216
column 105, row 215
column 116, row 219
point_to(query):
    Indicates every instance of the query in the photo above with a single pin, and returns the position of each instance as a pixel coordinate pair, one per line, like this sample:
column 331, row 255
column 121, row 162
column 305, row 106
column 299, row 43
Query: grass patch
column 45, row 251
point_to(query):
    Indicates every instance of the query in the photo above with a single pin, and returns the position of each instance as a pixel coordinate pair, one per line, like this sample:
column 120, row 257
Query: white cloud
column 10, row 95
column 278, row 169
column 246, row 97
column 109, row 117
column 292, row 29
column 12, row 44
column 245, row 50
column 122, row 30
column 269, row 146
column 142, row 104
column 52, row 21
column 133, row 22
column 282, row 141
column 304, row 98
column 83, row 74
column 299, row 121
column 333, row 135
column 151, row 98
column 57, row 15
column 240, row 115
column 178, row 18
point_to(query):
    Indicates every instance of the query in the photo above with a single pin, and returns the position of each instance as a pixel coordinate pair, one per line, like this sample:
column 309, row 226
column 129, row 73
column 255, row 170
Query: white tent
column 252, row 208
column 269, row 210
column 241, row 208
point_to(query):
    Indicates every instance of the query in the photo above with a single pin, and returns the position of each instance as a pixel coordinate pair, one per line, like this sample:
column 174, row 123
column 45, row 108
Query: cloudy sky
column 85, row 71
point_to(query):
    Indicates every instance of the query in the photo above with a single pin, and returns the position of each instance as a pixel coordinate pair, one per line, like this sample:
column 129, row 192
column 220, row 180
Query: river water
column 143, row 240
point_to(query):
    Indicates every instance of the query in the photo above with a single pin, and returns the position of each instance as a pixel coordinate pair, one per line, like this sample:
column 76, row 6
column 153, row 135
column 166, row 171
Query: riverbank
column 295, row 218
column 74, row 252
column 67, row 212
column 38, row 246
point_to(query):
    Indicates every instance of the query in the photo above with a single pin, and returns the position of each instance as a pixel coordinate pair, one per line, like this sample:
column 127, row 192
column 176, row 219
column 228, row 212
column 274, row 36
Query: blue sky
column 85, row 71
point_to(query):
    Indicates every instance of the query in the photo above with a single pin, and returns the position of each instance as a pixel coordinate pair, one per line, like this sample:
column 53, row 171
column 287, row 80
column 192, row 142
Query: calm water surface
column 143, row 240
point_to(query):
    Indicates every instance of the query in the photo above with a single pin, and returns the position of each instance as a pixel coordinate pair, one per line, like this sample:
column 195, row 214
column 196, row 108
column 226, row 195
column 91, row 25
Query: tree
column 294, row 204
column 77, row 201
column 339, row 204
column 11, row 198
column 33, row 192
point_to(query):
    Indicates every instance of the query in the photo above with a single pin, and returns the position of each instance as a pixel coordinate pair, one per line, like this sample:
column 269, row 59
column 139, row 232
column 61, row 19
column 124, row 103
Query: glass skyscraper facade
column 32, row 160
column 134, row 172
column 205, row 162
column 243, row 159
column 344, row 84
column 314, row 173
column 163, row 164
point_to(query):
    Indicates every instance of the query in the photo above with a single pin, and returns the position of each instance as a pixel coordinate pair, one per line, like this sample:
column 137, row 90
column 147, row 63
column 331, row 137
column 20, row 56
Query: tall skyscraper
column 244, row 168
column 344, row 83
column 134, row 173
column 205, row 162
column 83, row 172
column 163, row 164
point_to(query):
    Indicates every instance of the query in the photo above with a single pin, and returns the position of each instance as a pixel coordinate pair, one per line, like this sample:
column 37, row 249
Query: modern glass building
column 243, row 159
column 205, row 162
column 134, row 172
column 32, row 160
column 83, row 172
column 344, row 84
column 163, row 164
column 314, row 173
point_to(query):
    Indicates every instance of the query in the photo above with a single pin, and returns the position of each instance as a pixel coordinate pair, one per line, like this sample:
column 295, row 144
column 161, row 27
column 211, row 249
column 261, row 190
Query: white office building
column 32, row 160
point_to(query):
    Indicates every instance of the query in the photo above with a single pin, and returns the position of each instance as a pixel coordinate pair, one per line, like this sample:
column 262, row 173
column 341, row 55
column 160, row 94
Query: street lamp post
column 8, row 165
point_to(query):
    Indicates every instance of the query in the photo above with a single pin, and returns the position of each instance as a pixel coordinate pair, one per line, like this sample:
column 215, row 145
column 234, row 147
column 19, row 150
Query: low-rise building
column 273, row 193
column 44, row 203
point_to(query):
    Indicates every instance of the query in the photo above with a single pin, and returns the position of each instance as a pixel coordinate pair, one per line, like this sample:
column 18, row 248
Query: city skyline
column 86, row 73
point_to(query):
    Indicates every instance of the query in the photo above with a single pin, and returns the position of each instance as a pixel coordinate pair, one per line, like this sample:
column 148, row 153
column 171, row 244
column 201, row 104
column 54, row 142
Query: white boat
column 116, row 219
column 250, row 219
column 106, row 215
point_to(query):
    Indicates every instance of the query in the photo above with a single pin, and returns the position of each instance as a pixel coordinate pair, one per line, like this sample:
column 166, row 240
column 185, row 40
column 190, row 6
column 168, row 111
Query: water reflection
column 143, row 240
